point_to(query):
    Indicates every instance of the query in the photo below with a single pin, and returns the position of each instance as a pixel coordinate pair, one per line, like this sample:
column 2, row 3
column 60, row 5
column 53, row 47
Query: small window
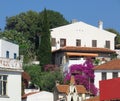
column 15, row 55
column 94, row 43
column 3, row 85
column 62, row 42
column 107, row 44
column 115, row 74
column 7, row 54
column 78, row 42
column 104, row 76
column 53, row 42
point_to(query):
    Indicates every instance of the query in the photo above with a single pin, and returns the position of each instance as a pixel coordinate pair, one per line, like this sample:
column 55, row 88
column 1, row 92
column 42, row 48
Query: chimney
column 100, row 24
column 74, row 20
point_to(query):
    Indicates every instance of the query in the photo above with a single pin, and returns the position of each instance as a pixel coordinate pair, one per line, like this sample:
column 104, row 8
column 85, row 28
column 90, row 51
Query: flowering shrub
column 51, row 67
column 83, row 74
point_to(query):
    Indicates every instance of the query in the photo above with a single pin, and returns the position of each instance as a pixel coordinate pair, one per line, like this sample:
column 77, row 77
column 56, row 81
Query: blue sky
column 88, row 11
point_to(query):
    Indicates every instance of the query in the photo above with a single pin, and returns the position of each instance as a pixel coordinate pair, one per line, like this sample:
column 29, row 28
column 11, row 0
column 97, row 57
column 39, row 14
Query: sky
column 88, row 11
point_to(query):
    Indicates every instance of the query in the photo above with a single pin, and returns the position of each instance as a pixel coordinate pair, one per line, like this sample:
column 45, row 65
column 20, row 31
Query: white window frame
column 3, row 85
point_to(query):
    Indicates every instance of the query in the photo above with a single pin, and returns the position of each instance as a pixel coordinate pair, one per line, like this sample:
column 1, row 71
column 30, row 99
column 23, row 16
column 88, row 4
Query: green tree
column 55, row 18
column 24, row 45
column 44, row 53
column 30, row 24
column 44, row 80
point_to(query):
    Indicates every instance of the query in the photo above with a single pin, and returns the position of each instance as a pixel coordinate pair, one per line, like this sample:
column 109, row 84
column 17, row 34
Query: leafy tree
column 44, row 80
column 45, row 44
column 55, row 18
column 83, row 75
column 24, row 45
column 30, row 24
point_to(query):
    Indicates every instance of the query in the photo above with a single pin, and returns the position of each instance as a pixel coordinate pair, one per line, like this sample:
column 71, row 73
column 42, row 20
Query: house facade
column 108, row 70
column 76, row 41
column 10, row 72
column 8, row 49
column 81, row 34
column 10, row 79
column 70, row 92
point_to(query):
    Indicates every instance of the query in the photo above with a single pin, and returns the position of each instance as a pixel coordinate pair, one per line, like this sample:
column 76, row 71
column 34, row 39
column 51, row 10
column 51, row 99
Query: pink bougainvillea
column 83, row 74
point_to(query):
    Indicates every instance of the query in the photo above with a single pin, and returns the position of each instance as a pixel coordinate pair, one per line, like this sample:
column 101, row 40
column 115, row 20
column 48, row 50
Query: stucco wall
column 86, row 33
column 13, row 86
column 98, row 75
column 8, row 46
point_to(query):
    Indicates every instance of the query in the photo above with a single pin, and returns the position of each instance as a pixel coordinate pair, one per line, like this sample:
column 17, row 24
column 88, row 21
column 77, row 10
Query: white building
column 38, row 96
column 10, row 72
column 79, row 40
column 106, row 71
column 8, row 49
column 81, row 34
column 70, row 92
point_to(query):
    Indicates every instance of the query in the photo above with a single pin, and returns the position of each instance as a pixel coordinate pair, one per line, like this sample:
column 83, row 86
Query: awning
column 81, row 54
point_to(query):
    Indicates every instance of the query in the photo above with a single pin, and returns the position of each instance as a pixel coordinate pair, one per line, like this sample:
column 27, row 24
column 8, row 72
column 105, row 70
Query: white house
column 79, row 40
column 8, row 49
column 10, row 79
column 70, row 92
column 10, row 72
column 106, row 71
column 82, row 34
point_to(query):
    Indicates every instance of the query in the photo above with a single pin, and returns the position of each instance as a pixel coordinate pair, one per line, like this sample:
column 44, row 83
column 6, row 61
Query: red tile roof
column 81, row 89
column 63, row 88
column 111, row 65
column 85, row 49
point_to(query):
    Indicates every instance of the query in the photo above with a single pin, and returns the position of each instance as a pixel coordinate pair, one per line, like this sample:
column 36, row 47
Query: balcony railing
column 10, row 63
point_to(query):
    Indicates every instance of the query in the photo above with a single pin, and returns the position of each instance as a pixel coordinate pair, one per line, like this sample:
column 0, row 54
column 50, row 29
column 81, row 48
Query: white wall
column 13, row 86
column 82, row 31
column 98, row 75
column 8, row 46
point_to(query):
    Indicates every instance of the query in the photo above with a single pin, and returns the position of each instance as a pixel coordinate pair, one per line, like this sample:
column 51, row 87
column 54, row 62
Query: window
column 53, row 42
column 115, row 74
column 104, row 76
column 3, row 85
column 7, row 54
column 107, row 44
column 62, row 42
column 78, row 42
column 15, row 55
column 94, row 43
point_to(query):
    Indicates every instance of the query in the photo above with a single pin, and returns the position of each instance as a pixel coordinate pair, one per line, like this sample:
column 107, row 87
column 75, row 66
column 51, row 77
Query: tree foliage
column 83, row 74
column 44, row 52
column 25, row 46
column 30, row 24
column 44, row 80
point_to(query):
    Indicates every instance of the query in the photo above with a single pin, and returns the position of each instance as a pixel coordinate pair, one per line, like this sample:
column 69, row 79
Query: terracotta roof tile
column 63, row 88
column 111, row 65
column 85, row 49
column 81, row 89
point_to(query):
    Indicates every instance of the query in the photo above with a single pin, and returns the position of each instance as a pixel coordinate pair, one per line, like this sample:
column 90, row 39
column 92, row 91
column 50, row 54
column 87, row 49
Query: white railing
column 10, row 63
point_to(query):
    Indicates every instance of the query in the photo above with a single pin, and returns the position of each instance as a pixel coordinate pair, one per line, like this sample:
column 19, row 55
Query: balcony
column 10, row 64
